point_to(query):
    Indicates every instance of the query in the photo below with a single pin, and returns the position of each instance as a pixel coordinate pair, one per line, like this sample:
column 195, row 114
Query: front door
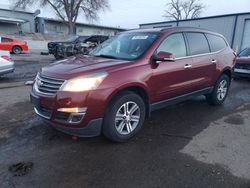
column 172, row 78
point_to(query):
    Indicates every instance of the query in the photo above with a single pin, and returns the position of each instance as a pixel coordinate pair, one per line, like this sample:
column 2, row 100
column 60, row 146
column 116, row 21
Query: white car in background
column 6, row 63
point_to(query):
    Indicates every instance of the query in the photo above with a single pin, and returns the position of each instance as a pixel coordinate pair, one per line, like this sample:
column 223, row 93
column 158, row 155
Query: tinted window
column 216, row 43
column 6, row 40
column 245, row 53
column 174, row 44
column 197, row 43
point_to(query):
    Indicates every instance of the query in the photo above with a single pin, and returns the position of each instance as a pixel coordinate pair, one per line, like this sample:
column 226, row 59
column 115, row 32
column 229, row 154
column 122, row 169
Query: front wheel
column 124, row 117
column 220, row 91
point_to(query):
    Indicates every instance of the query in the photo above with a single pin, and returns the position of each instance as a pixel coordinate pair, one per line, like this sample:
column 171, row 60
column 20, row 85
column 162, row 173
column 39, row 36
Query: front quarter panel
column 131, row 76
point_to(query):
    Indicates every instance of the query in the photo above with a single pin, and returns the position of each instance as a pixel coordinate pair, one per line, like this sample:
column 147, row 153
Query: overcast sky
column 131, row 13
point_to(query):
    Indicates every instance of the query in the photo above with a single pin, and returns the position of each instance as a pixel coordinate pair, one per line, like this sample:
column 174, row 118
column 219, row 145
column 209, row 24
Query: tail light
column 6, row 57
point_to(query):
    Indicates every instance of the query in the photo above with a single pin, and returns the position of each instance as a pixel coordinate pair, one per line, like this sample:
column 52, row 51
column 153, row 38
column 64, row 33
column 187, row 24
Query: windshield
column 245, row 53
column 126, row 46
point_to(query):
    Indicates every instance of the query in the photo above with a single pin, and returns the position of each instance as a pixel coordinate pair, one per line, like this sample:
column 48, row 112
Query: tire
column 16, row 49
column 119, row 125
column 220, row 91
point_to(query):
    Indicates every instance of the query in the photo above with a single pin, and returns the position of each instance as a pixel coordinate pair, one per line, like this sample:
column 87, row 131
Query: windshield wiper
column 106, row 56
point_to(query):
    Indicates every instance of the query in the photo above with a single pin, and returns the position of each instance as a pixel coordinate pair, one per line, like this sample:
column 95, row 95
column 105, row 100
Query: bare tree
column 68, row 10
column 183, row 9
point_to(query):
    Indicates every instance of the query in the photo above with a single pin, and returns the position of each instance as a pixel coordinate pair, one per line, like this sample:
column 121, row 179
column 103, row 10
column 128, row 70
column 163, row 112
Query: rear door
column 203, row 62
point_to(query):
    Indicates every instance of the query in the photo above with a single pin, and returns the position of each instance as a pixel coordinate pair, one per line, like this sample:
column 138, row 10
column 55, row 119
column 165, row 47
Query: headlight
column 84, row 83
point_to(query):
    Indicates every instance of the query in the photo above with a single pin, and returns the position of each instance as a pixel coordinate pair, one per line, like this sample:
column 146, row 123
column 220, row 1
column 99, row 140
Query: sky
column 130, row 13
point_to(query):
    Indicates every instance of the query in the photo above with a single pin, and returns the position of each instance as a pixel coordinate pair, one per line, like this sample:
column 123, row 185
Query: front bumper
column 241, row 73
column 80, row 128
column 93, row 129
column 47, row 107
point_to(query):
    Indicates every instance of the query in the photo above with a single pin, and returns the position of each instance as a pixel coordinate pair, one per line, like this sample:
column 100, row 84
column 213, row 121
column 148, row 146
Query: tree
column 68, row 10
column 183, row 9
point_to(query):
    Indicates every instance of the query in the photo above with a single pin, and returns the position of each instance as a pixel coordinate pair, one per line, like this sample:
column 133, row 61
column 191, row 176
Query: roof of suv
column 177, row 29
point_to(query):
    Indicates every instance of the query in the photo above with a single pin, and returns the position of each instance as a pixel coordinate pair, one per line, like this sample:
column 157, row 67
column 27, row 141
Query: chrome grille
column 47, row 85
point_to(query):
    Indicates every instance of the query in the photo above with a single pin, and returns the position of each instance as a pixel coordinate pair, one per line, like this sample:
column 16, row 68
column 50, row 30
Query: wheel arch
column 16, row 45
column 228, row 72
column 135, row 88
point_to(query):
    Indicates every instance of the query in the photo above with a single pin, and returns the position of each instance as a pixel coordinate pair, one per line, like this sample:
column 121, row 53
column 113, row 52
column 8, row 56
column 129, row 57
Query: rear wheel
column 17, row 50
column 220, row 91
column 124, row 117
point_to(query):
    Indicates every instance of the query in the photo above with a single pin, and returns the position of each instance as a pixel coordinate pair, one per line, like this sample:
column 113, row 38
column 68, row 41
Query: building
column 54, row 26
column 17, row 21
column 235, row 27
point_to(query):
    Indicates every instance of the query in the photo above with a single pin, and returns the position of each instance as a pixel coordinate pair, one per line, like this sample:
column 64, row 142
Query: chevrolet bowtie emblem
column 39, row 83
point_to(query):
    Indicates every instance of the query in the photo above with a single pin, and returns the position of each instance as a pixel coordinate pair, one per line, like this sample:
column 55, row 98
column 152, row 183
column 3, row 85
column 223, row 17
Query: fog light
column 72, row 110
column 76, row 118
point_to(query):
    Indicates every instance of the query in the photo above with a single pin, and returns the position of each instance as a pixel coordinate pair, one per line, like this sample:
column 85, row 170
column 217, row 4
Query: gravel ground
column 186, row 145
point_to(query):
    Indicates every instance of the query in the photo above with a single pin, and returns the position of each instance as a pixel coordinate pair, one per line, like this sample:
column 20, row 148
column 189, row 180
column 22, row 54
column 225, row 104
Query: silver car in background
column 6, row 63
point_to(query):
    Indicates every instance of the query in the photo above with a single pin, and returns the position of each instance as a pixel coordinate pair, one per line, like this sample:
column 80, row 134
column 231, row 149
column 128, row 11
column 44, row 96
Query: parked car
column 113, row 89
column 62, row 49
column 13, row 45
column 242, row 66
column 6, row 63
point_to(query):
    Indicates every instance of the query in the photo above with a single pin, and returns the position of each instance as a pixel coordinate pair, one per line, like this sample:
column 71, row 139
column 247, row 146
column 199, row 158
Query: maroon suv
column 113, row 89
column 242, row 66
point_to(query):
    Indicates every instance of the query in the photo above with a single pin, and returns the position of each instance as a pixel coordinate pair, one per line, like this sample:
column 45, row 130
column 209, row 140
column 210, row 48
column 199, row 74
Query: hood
column 79, row 65
column 243, row 60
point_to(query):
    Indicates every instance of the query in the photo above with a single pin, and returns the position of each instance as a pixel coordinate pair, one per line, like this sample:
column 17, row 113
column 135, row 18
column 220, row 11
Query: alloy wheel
column 127, row 118
column 222, row 90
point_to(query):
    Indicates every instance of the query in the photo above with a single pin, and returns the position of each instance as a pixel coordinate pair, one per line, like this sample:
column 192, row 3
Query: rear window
column 197, row 43
column 3, row 39
column 216, row 43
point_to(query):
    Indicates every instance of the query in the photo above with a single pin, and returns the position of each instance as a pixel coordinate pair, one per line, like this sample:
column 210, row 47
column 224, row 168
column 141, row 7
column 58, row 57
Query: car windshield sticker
column 141, row 37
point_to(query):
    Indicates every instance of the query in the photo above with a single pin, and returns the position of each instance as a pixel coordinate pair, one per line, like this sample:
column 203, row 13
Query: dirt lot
column 187, row 145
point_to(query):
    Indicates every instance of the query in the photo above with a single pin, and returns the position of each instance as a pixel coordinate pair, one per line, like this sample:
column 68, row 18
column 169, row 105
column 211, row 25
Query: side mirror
column 164, row 56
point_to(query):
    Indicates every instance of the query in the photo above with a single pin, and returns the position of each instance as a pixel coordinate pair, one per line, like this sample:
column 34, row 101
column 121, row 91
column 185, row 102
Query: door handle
column 187, row 66
column 214, row 61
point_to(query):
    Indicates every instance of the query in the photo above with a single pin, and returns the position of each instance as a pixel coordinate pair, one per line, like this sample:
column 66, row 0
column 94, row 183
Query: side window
column 174, row 44
column 197, row 43
column 3, row 39
column 216, row 43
